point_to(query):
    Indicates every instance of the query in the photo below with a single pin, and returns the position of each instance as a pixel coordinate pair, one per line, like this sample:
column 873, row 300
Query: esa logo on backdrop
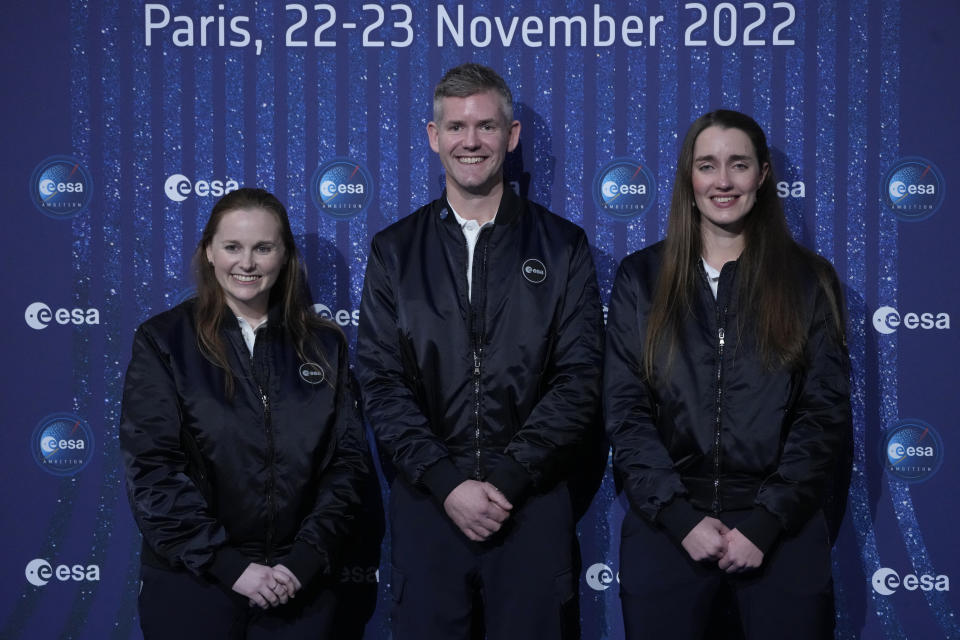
column 62, row 444
column 39, row 572
column 624, row 189
column 886, row 581
column 61, row 187
column 912, row 450
column 179, row 187
column 886, row 320
column 341, row 188
column 343, row 317
column 913, row 189
column 39, row 316
column 599, row 577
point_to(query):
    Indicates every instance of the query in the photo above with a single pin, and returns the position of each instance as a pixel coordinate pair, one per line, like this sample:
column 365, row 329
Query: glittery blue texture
column 572, row 136
column 107, row 240
column 857, row 266
column 143, row 179
column 604, row 137
column 761, row 81
column 172, row 234
column 731, row 83
column 795, row 127
column 325, row 148
column 419, row 113
column 296, row 175
column 699, row 81
column 667, row 117
column 389, row 123
column 203, row 138
column 235, row 136
column 357, row 141
column 543, row 89
column 638, row 110
column 264, row 106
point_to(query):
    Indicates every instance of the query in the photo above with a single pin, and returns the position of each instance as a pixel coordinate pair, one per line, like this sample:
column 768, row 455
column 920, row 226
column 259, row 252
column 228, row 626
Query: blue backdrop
column 122, row 122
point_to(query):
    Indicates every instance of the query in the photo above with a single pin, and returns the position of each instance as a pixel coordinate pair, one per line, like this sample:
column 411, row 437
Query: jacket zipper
column 476, row 411
column 271, row 478
column 477, row 331
column 716, row 435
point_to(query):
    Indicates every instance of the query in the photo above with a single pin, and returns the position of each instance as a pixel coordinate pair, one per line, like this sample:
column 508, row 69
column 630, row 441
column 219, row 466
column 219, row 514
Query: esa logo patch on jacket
column 311, row 372
column 534, row 270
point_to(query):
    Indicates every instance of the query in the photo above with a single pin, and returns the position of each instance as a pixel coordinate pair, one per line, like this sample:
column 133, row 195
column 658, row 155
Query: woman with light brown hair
column 727, row 402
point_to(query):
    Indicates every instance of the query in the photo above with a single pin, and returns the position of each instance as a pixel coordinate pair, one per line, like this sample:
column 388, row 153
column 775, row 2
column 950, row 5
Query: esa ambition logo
column 60, row 187
column 62, row 444
column 912, row 450
column 341, row 188
column 624, row 189
column 913, row 189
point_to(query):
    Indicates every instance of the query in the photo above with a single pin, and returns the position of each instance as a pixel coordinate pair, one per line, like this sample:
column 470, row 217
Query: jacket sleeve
column 820, row 423
column 168, row 505
column 338, row 486
column 640, row 458
column 390, row 403
column 569, row 408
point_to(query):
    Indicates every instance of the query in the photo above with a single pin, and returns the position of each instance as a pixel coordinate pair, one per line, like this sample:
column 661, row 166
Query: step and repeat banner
column 124, row 121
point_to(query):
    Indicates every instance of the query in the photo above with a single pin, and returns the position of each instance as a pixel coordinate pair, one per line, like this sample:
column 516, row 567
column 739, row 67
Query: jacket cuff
column 228, row 565
column 511, row 479
column 761, row 527
column 679, row 517
column 306, row 562
column 442, row 477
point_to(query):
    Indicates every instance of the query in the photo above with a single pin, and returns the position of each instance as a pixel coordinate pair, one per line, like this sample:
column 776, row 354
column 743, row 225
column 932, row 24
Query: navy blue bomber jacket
column 269, row 476
column 717, row 430
column 502, row 387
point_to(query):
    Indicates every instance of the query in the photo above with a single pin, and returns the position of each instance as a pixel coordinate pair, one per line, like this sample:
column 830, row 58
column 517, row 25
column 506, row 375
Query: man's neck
column 480, row 207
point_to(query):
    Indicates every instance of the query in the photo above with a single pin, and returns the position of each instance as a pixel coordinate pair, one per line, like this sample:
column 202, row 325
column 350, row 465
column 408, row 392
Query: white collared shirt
column 713, row 277
column 471, row 231
column 249, row 333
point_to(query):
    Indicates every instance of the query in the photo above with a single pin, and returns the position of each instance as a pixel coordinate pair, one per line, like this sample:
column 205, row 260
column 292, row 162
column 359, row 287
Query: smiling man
column 479, row 353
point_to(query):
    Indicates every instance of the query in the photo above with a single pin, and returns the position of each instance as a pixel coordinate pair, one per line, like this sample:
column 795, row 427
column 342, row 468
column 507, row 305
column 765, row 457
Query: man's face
column 472, row 139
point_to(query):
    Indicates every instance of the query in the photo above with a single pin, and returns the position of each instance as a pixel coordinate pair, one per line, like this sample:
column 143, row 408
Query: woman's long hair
column 769, row 271
column 289, row 292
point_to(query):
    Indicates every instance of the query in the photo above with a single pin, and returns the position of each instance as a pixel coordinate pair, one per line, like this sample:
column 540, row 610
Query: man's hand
column 741, row 555
column 706, row 540
column 477, row 508
column 257, row 582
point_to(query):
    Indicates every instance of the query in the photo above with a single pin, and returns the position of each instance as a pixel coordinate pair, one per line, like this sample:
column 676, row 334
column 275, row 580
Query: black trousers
column 525, row 576
column 177, row 605
column 665, row 594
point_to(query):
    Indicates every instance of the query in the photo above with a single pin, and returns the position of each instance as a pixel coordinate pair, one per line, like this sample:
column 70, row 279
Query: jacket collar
column 511, row 206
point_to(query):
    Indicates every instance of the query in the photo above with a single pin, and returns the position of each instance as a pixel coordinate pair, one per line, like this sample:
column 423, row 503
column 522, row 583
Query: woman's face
column 726, row 176
column 247, row 255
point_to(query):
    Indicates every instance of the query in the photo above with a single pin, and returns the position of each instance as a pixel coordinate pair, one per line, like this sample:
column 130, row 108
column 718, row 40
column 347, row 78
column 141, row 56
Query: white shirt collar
column 249, row 333
column 713, row 276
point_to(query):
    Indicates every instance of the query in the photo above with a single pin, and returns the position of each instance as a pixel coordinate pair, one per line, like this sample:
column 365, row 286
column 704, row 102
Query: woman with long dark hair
column 243, row 448
column 727, row 402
